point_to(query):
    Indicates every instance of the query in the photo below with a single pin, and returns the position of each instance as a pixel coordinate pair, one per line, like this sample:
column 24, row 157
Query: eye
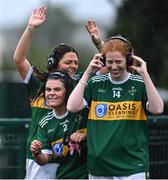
column 76, row 63
column 47, row 89
column 68, row 62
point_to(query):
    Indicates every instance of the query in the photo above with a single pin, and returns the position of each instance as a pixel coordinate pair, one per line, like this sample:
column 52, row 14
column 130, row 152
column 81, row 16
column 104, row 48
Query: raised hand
column 94, row 33
column 37, row 17
column 139, row 66
column 92, row 29
column 95, row 64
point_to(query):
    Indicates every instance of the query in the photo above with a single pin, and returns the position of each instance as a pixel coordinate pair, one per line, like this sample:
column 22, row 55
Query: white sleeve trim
column 46, row 151
column 98, row 73
column 85, row 104
column 147, row 105
column 29, row 73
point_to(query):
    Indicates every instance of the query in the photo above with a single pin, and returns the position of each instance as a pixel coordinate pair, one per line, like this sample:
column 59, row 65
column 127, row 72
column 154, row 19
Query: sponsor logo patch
column 101, row 110
column 57, row 148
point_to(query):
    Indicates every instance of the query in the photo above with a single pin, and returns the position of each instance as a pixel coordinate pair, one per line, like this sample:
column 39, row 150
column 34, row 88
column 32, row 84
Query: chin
column 71, row 74
column 52, row 105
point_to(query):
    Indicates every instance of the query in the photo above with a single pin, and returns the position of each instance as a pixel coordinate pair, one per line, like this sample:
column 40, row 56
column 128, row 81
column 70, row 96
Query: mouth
column 52, row 99
column 115, row 72
column 72, row 70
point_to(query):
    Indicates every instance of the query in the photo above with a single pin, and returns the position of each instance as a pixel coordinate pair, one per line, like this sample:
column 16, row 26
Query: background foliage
column 144, row 23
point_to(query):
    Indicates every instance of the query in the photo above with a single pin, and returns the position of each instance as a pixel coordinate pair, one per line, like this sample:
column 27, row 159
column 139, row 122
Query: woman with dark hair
column 62, row 57
column 58, row 138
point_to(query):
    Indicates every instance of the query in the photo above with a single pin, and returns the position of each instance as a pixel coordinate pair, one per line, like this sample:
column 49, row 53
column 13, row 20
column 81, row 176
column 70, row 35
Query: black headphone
column 54, row 57
column 57, row 53
column 129, row 59
column 51, row 62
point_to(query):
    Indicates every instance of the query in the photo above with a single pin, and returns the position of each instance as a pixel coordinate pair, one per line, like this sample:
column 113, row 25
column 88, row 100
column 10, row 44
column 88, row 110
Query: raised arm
column 75, row 101
column 94, row 33
column 20, row 55
column 156, row 104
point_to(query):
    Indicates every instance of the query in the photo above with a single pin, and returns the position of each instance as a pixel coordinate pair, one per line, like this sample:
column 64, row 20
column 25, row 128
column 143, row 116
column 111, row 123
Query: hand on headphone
column 95, row 64
column 140, row 66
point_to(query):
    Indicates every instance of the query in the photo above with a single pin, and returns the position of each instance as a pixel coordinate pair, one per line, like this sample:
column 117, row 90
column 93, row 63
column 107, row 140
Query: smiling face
column 116, row 64
column 55, row 93
column 69, row 63
column 116, row 51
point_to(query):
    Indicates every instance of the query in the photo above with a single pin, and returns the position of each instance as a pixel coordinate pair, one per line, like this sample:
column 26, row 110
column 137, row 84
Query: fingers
column 40, row 11
column 137, row 58
column 99, row 57
column 78, row 137
column 36, row 146
column 138, row 66
column 90, row 25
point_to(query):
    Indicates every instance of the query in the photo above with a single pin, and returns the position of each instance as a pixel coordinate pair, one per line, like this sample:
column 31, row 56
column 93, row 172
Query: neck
column 121, row 78
column 59, row 111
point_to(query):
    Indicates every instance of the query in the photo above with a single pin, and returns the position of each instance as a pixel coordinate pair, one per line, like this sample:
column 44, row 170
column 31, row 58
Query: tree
column 144, row 23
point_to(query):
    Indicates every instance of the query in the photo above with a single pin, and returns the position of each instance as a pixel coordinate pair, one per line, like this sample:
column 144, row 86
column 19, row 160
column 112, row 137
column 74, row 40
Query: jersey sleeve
column 88, row 92
column 32, row 86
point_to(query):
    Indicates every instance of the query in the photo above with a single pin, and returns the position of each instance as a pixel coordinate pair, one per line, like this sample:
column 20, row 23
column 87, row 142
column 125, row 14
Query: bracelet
column 83, row 82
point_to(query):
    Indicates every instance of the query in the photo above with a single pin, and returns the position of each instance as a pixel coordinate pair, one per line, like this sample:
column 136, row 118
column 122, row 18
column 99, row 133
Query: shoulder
column 77, row 76
column 136, row 78
column 46, row 118
column 100, row 78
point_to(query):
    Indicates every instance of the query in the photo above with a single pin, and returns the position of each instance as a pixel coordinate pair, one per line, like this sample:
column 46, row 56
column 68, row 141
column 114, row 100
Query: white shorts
column 133, row 176
column 35, row 171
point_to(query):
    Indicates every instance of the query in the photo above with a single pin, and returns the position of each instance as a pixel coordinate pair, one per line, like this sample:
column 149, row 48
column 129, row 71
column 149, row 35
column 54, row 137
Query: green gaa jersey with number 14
column 117, row 137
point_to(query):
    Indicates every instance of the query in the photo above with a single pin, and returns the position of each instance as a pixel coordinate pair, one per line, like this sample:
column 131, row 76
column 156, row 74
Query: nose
column 112, row 66
column 74, row 65
column 51, row 93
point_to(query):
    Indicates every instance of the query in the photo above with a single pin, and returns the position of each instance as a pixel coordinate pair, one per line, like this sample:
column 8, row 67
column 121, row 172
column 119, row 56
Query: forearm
column 23, row 45
column 41, row 158
column 75, row 101
column 20, row 55
column 98, row 43
column 156, row 104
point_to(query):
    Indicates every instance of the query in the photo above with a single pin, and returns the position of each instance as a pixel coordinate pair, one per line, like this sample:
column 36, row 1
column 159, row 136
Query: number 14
column 116, row 94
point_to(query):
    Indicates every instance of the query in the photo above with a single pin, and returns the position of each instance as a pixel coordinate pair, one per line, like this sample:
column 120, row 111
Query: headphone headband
column 58, row 73
column 129, row 58
column 122, row 39
column 117, row 37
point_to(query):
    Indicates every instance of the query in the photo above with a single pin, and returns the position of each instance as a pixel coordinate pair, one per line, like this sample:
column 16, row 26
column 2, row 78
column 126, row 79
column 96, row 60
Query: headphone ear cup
column 129, row 60
column 51, row 62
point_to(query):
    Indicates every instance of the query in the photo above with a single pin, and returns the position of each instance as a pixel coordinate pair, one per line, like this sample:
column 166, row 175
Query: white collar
column 119, row 82
column 60, row 117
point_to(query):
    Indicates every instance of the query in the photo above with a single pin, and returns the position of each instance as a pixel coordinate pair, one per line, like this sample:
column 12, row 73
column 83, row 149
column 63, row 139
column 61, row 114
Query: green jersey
column 54, row 133
column 117, row 134
column 39, row 109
